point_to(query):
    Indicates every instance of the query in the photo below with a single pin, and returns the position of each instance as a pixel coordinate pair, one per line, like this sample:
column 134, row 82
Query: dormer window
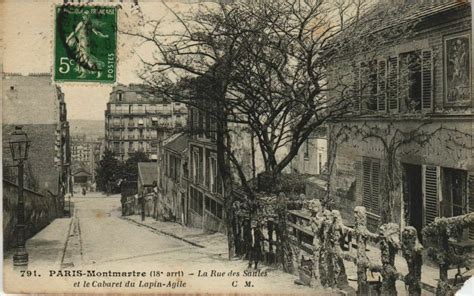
column 120, row 96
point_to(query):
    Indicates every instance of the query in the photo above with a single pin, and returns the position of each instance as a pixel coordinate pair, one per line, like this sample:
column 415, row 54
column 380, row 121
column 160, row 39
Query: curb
column 61, row 263
column 163, row 232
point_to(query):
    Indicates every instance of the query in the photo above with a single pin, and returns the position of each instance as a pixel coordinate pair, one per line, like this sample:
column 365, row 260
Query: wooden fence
column 315, row 243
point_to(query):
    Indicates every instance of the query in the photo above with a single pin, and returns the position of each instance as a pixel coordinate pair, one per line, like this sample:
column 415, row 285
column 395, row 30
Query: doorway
column 413, row 196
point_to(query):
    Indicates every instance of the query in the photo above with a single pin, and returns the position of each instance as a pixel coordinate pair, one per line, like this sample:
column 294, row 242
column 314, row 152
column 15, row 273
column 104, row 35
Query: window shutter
column 426, row 80
column 393, row 102
column 430, row 193
column 371, row 185
column 366, row 192
column 471, row 201
column 381, row 89
column 375, row 187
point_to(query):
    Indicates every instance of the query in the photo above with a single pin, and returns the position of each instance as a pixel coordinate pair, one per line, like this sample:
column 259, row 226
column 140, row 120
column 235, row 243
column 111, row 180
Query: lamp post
column 19, row 145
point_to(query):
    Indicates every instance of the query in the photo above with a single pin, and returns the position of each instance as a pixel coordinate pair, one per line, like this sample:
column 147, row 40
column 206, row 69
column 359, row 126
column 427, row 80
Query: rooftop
column 424, row 11
column 147, row 173
column 177, row 143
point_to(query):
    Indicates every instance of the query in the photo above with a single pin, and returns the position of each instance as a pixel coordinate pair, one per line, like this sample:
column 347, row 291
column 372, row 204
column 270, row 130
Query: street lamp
column 19, row 145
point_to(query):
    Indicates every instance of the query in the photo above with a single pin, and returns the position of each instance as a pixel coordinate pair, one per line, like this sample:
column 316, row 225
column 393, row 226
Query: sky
column 27, row 42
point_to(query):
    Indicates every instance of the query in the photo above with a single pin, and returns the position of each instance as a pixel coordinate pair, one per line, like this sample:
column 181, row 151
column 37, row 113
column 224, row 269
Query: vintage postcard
column 237, row 147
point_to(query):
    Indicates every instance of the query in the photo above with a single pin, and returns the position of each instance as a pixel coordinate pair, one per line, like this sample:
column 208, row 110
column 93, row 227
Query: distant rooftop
column 177, row 143
column 147, row 173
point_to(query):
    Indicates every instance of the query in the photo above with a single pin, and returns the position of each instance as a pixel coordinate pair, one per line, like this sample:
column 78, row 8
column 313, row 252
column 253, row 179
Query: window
column 381, row 85
column 454, row 192
column 208, row 203
column 371, row 185
column 445, row 193
column 201, row 167
column 320, row 163
column 219, row 211
column 214, row 207
column 120, row 96
column 177, row 168
column 200, row 123
column 213, row 179
column 392, row 85
column 410, row 82
column 402, row 82
column 170, row 170
column 213, row 128
column 175, row 165
column 208, row 169
column 306, row 149
column 192, row 120
column 353, row 88
column 208, row 125
column 368, row 85
column 197, row 163
column 196, row 200
column 116, row 146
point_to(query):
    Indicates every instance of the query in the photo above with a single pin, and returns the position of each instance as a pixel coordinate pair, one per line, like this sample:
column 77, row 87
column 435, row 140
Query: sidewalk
column 216, row 242
column 46, row 248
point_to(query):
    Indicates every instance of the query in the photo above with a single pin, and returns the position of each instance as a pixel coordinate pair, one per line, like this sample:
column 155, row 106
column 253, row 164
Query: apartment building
column 136, row 119
column 47, row 169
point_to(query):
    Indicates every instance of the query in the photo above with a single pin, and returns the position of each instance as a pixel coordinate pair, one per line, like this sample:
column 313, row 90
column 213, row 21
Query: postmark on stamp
column 85, row 43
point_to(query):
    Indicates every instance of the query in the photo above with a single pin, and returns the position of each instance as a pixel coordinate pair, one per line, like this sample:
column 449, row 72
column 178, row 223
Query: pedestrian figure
column 247, row 238
column 256, row 244
column 83, row 191
column 141, row 201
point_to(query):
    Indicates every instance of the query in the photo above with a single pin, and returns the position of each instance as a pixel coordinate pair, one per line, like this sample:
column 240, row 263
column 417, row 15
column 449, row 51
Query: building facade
column 174, row 176
column 47, row 170
column 312, row 156
column 206, row 206
column 136, row 119
column 411, row 135
column 85, row 153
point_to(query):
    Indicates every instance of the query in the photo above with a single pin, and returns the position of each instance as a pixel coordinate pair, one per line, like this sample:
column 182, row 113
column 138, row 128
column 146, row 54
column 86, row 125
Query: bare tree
column 263, row 64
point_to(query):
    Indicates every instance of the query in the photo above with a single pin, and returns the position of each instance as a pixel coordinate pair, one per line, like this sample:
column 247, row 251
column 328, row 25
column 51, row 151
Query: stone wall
column 40, row 210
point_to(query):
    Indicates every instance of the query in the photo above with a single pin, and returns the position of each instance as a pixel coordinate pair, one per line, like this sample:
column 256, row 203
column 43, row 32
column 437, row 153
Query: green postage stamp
column 85, row 43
